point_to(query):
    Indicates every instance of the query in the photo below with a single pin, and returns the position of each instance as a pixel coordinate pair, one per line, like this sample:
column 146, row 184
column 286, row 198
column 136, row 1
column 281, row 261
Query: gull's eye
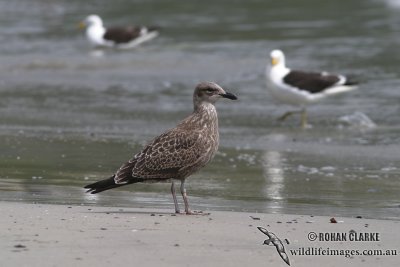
column 210, row 90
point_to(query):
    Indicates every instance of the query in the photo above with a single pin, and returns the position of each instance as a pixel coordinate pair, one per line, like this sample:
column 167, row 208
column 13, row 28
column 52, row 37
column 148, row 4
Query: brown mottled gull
column 178, row 152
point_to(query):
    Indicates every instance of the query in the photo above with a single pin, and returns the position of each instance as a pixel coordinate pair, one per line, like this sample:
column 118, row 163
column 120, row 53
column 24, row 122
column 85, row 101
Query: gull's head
column 277, row 58
column 91, row 20
column 210, row 92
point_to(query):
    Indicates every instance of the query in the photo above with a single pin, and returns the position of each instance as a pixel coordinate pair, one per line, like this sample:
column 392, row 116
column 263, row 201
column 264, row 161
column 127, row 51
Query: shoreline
column 65, row 235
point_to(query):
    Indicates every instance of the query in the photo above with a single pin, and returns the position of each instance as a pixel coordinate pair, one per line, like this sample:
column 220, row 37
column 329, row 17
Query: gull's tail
column 102, row 185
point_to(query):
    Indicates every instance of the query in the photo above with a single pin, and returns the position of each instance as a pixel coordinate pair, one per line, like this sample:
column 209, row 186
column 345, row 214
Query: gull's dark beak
column 229, row 96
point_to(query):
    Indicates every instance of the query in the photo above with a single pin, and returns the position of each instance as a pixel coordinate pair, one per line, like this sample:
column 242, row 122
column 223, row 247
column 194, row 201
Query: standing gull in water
column 301, row 88
column 119, row 37
column 178, row 152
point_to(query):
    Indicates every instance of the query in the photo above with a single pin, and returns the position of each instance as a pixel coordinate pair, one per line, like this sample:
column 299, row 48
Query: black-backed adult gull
column 301, row 88
column 119, row 37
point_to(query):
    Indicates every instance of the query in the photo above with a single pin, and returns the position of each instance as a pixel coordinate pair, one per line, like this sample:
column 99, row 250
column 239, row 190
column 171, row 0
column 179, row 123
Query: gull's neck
column 203, row 117
column 280, row 70
column 95, row 33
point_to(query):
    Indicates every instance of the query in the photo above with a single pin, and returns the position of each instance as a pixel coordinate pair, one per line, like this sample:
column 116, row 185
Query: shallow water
column 70, row 116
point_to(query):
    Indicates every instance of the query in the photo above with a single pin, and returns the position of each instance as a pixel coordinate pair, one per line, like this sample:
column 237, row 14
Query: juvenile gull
column 301, row 88
column 119, row 37
column 178, row 152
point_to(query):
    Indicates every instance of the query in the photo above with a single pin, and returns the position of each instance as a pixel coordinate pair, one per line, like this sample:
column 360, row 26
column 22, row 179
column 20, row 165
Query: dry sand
column 57, row 235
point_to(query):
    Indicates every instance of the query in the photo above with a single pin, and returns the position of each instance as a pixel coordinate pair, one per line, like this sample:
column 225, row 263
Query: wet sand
column 60, row 235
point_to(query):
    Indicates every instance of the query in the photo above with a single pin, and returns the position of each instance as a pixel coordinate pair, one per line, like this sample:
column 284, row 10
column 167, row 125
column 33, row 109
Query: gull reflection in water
column 274, row 178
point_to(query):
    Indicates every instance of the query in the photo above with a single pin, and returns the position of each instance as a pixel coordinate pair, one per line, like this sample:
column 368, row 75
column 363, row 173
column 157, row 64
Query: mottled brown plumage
column 178, row 152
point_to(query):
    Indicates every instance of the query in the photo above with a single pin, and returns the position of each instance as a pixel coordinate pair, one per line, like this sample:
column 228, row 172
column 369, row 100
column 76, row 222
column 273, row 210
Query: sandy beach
column 60, row 235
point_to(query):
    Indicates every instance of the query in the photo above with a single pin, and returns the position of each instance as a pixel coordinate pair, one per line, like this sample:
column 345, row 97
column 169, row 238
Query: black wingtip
column 154, row 28
column 352, row 80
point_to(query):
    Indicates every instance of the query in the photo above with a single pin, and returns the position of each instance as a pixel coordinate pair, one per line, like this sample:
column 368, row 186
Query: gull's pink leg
column 185, row 200
column 174, row 197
